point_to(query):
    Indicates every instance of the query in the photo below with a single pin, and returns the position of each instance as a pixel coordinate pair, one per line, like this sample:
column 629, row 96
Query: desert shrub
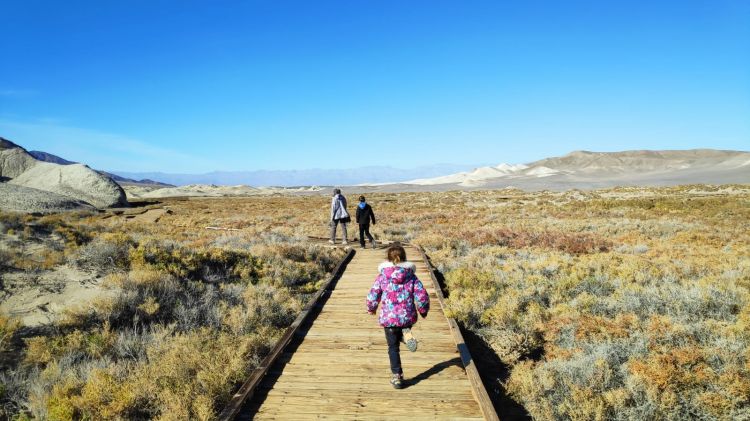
column 623, row 303
column 573, row 243
column 173, row 336
column 12, row 222
column 181, row 378
column 8, row 327
column 106, row 253
column 210, row 264
column 606, row 308
column 6, row 262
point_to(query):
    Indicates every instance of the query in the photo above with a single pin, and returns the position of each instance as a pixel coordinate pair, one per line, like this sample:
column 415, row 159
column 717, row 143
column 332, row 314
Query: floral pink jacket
column 400, row 295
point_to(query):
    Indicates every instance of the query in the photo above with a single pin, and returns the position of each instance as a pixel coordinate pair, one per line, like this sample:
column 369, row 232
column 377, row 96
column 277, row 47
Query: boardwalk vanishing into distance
column 336, row 364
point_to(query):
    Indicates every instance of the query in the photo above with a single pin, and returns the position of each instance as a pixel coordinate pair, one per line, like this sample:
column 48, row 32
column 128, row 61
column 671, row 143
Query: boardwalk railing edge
column 247, row 389
column 477, row 387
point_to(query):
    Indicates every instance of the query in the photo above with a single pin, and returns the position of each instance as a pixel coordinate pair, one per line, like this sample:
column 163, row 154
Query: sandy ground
column 40, row 298
column 208, row 190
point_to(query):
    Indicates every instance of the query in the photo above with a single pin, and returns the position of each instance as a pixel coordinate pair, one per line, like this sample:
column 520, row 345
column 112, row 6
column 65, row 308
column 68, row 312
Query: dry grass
column 625, row 303
column 606, row 308
column 191, row 311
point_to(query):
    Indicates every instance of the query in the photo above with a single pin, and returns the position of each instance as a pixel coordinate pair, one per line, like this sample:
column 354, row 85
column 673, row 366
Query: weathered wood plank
column 246, row 390
column 339, row 366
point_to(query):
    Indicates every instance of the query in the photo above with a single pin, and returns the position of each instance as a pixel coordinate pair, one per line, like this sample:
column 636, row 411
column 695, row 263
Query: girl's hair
column 361, row 198
column 396, row 254
column 336, row 191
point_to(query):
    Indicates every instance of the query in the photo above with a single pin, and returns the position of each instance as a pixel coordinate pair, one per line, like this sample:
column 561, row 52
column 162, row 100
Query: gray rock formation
column 77, row 183
column 13, row 160
column 25, row 199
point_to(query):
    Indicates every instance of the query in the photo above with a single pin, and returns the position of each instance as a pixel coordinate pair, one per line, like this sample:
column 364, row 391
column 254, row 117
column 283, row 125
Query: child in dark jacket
column 400, row 295
column 364, row 216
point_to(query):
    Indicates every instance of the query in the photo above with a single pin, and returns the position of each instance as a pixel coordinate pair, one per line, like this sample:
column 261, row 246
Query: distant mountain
column 308, row 177
column 48, row 157
column 129, row 181
column 586, row 169
column 644, row 161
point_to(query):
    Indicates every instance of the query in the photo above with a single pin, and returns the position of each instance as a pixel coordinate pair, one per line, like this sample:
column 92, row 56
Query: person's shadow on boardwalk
column 432, row 370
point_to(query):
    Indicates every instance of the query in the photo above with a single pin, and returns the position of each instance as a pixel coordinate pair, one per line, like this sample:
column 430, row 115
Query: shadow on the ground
column 13, row 355
column 142, row 203
column 433, row 370
column 492, row 371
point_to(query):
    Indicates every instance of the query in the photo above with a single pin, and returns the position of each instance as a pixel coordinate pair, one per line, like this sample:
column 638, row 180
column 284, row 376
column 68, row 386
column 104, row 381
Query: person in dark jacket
column 364, row 216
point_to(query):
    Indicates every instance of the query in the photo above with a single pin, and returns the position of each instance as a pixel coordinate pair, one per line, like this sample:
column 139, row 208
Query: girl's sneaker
column 409, row 339
column 397, row 381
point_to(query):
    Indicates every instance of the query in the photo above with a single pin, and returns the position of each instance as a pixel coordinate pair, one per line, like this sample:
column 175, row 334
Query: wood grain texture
column 338, row 368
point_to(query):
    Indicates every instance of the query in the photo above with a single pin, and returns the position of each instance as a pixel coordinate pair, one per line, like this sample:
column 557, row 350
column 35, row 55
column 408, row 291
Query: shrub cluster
column 180, row 326
column 642, row 315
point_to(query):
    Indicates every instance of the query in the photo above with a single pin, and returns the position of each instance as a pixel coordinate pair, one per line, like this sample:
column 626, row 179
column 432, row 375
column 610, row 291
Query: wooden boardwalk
column 338, row 369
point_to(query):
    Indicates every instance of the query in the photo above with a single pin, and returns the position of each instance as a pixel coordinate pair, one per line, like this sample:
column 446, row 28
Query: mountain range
column 586, row 170
column 578, row 169
column 304, row 177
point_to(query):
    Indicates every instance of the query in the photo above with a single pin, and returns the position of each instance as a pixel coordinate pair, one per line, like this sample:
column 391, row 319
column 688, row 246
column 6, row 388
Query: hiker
column 339, row 215
column 400, row 295
column 364, row 216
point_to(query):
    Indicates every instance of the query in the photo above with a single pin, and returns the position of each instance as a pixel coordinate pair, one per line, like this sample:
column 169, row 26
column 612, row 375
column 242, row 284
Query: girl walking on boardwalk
column 364, row 216
column 339, row 215
column 400, row 295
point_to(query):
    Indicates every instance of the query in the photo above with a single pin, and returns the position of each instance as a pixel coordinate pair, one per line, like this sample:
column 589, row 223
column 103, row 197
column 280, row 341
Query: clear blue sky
column 195, row 86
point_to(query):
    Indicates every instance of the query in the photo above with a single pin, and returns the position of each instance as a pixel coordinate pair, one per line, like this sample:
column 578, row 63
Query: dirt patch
column 38, row 298
column 150, row 216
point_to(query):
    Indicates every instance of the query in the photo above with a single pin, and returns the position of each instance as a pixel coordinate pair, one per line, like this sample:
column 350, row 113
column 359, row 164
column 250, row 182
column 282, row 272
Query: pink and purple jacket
column 400, row 295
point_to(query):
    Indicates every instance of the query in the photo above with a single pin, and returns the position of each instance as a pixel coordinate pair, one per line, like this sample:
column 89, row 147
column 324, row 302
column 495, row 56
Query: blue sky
column 196, row 86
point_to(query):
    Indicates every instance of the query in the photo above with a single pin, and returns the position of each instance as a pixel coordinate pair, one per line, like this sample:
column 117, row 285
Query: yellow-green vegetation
column 618, row 304
column 627, row 303
column 191, row 312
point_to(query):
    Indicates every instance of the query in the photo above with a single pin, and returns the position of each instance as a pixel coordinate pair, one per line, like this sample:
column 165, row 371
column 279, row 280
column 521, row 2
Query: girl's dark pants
column 364, row 229
column 393, row 336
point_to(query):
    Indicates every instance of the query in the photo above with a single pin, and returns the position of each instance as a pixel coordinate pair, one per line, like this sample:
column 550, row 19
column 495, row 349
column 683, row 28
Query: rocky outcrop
column 14, row 160
column 77, row 183
column 25, row 199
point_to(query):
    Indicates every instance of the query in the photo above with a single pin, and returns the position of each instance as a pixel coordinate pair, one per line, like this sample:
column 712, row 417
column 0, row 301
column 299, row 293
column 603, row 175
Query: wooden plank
column 339, row 368
column 296, row 411
column 453, row 372
column 246, row 390
column 330, row 403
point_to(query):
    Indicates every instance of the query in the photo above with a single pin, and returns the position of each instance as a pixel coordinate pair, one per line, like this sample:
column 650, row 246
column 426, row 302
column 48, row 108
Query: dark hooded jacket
column 364, row 216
